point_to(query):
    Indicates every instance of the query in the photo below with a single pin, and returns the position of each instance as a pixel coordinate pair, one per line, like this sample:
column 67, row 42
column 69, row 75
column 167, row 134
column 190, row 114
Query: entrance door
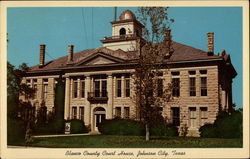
column 99, row 116
column 98, row 119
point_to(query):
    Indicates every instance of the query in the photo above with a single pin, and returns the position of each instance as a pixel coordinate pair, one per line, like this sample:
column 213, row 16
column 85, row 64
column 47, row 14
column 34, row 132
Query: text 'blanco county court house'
column 99, row 83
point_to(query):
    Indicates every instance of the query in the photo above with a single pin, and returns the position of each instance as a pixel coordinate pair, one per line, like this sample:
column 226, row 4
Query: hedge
column 164, row 130
column 225, row 126
column 131, row 127
column 77, row 126
column 121, row 127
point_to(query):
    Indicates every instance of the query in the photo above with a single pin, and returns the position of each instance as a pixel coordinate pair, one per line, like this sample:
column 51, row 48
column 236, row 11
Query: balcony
column 120, row 38
column 98, row 97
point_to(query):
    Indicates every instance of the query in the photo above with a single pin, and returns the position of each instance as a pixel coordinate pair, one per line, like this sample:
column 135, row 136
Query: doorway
column 99, row 117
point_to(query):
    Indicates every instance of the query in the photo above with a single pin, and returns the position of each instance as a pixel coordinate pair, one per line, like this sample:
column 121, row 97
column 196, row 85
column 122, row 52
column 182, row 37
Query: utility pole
column 115, row 12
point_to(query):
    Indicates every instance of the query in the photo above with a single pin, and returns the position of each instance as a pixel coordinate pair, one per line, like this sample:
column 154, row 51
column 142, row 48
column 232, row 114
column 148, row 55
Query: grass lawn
column 106, row 141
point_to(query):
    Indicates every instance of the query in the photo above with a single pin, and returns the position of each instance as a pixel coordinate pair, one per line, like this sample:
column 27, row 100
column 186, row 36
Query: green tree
column 154, row 48
column 19, row 113
column 59, row 105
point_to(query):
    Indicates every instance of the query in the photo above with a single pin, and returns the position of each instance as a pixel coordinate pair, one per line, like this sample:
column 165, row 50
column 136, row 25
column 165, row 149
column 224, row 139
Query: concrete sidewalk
column 62, row 135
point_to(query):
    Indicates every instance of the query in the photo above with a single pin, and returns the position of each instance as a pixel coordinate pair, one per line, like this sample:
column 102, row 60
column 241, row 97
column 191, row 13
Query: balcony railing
column 127, row 36
column 98, row 97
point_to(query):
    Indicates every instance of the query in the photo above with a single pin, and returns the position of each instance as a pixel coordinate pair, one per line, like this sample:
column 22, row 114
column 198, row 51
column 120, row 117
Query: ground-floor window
column 203, row 115
column 81, row 113
column 192, row 117
column 118, row 112
column 74, row 112
column 175, row 113
column 126, row 112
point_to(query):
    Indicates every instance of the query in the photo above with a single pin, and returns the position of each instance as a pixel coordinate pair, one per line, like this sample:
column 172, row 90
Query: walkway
column 61, row 135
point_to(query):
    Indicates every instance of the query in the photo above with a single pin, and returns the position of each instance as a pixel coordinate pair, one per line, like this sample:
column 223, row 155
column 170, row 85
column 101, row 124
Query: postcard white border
column 60, row 153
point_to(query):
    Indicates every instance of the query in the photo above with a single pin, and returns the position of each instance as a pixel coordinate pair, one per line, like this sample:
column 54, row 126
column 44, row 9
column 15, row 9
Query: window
column 203, row 86
column 45, row 91
column 104, row 89
column 81, row 113
column 176, row 87
column 127, row 87
column 118, row 112
column 192, row 89
column 119, row 87
column 191, row 72
column 97, row 88
column 122, row 31
column 203, row 115
column 126, row 112
column 203, row 71
column 160, row 87
column 192, row 117
column 75, row 87
column 35, row 91
column 175, row 113
column 82, row 88
column 100, row 87
column 74, row 112
column 175, row 73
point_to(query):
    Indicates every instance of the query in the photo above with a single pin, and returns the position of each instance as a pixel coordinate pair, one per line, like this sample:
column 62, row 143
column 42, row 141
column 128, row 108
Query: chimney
column 42, row 55
column 71, row 51
column 210, row 43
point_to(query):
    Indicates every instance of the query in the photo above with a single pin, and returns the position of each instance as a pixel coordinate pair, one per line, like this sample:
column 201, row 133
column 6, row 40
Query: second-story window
column 203, row 86
column 35, row 91
column 100, row 86
column 176, row 87
column 45, row 91
column 75, row 88
column 127, row 87
column 160, row 87
column 192, row 89
column 82, row 88
column 119, row 87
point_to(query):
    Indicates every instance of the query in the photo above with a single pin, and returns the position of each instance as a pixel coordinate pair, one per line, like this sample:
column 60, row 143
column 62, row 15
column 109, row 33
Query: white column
column 114, row 87
column 110, row 97
column 67, row 99
column 87, row 111
column 223, row 99
column 78, row 87
column 123, row 86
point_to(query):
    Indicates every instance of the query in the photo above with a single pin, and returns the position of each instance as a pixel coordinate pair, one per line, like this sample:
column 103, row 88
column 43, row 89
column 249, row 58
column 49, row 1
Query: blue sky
column 85, row 27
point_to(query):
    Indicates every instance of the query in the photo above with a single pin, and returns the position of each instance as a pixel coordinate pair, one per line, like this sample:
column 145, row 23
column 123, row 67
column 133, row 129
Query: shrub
column 163, row 130
column 229, row 126
column 208, row 130
column 121, row 127
column 77, row 126
column 15, row 130
column 225, row 126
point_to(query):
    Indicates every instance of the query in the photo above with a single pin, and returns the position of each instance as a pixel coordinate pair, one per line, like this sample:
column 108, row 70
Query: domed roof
column 127, row 14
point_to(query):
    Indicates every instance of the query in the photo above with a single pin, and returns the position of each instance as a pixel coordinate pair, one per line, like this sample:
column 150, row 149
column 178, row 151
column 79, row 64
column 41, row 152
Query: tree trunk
column 147, row 132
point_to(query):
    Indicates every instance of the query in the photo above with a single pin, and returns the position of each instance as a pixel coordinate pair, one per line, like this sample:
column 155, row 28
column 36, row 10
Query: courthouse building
column 99, row 83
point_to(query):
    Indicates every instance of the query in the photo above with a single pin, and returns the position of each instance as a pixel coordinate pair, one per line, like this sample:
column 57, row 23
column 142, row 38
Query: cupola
column 125, row 32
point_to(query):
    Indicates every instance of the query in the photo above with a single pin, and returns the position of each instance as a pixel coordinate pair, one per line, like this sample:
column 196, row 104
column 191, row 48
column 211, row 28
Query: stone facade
column 102, row 87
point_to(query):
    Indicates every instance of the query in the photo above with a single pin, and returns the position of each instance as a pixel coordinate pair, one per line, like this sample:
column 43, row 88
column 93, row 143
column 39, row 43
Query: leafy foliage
column 59, row 105
column 164, row 130
column 77, row 126
column 121, row 127
column 153, row 48
column 19, row 113
column 225, row 126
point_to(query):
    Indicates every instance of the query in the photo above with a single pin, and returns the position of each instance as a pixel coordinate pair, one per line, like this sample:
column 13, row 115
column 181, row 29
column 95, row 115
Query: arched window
column 122, row 31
